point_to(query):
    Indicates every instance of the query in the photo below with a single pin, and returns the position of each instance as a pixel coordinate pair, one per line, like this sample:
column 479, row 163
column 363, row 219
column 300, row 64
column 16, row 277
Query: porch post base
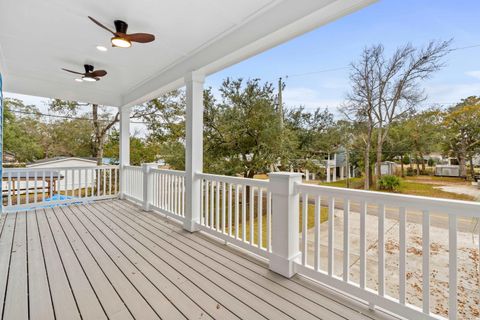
column 190, row 226
column 283, row 266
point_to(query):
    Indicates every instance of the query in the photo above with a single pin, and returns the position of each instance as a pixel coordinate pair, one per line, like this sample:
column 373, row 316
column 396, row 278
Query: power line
column 348, row 67
column 67, row 117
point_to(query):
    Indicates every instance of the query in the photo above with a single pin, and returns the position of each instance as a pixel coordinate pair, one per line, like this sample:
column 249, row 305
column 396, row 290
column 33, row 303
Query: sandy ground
column 462, row 189
column 468, row 261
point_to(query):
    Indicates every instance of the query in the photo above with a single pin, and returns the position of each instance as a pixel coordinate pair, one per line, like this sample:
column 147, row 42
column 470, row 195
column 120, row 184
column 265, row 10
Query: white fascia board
column 286, row 21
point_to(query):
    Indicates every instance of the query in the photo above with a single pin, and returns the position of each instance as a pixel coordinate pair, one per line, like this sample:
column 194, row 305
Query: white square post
column 327, row 168
column 193, row 149
column 147, row 185
column 285, row 222
column 124, row 148
column 334, row 167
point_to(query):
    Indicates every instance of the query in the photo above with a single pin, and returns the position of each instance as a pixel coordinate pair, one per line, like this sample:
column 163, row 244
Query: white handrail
column 31, row 188
column 446, row 206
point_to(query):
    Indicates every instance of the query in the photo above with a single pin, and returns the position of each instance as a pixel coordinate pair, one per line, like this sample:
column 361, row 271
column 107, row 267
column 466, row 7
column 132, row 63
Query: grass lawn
column 355, row 183
column 310, row 219
column 429, row 190
column 417, row 185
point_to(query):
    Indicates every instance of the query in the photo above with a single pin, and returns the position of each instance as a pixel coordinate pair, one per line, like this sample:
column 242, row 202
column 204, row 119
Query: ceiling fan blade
column 97, row 73
column 73, row 71
column 102, row 26
column 140, row 37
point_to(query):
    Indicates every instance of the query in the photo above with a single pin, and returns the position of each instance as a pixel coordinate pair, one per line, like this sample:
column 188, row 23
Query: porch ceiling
column 37, row 38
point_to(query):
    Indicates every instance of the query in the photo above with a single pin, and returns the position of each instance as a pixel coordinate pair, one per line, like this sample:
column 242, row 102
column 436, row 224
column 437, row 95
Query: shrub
column 388, row 182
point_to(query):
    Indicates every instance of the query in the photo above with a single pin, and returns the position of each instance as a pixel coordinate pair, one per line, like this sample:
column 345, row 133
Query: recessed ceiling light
column 79, row 80
column 101, row 48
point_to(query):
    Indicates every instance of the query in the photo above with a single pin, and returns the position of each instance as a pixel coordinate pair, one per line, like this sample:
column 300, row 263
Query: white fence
column 352, row 240
column 331, row 230
column 237, row 210
column 133, row 183
column 347, row 205
column 26, row 188
column 162, row 190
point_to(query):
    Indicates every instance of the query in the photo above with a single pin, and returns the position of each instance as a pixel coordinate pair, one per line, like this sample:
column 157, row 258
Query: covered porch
column 142, row 242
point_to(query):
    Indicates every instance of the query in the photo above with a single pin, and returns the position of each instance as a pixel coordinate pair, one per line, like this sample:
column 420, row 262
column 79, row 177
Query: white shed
column 72, row 178
column 388, row 168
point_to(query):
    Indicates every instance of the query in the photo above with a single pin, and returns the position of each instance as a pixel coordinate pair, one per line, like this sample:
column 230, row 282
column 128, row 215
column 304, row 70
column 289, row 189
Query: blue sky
column 390, row 22
column 334, row 46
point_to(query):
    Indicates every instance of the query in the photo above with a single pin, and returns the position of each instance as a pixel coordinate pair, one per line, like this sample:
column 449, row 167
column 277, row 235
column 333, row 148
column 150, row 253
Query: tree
column 22, row 130
column 141, row 151
column 102, row 121
column 164, row 118
column 310, row 134
column 386, row 89
column 462, row 131
column 243, row 133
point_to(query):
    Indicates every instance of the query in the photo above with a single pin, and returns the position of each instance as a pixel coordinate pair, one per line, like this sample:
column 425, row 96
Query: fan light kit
column 120, row 37
column 89, row 75
column 121, row 42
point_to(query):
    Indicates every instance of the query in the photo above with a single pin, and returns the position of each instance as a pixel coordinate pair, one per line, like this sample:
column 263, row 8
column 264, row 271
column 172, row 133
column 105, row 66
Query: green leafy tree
column 243, row 131
column 141, row 150
column 22, row 131
column 462, row 131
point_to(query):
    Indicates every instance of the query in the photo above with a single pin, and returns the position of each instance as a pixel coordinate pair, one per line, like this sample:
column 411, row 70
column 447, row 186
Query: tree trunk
column 98, row 139
column 418, row 165
column 463, row 165
column 423, row 162
column 472, row 168
column 378, row 164
column 366, row 183
column 403, row 169
column 347, row 161
column 368, row 173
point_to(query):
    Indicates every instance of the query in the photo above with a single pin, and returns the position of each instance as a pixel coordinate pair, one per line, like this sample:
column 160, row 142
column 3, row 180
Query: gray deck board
column 109, row 259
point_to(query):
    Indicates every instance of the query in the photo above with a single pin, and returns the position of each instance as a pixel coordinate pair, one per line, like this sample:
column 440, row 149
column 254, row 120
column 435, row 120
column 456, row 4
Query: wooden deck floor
column 109, row 260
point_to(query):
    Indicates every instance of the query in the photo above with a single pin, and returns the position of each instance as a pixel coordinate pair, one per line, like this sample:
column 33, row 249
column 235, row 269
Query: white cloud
column 451, row 93
column 310, row 99
column 473, row 73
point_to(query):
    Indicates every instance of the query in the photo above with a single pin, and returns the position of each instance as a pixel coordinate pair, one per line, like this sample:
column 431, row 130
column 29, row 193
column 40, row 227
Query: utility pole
column 281, row 84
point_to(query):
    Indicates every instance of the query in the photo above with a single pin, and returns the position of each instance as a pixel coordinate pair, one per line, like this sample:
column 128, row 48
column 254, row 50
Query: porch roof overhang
column 37, row 38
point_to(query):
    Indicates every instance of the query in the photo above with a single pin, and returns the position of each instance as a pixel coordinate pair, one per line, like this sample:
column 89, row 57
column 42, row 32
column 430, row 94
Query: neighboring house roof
column 61, row 159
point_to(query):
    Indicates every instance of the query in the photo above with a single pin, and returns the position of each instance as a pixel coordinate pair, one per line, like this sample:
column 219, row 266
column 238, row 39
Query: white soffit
column 37, row 38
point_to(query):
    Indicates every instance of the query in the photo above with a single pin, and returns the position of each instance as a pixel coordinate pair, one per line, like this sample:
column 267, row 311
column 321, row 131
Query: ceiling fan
column 89, row 75
column 121, row 38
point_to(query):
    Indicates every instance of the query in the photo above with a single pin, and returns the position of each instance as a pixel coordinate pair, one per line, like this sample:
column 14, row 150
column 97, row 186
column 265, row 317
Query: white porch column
column 307, row 175
column 193, row 149
column 334, row 167
column 124, row 147
column 328, row 168
column 285, row 222
column 342, row 168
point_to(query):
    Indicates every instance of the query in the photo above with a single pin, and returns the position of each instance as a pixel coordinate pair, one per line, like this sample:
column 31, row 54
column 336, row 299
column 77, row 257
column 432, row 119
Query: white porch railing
column 358, row 242
column 162, row 190
column 341, row 252
column 168, row 192
column 133, row 183
column 27, row 188
column 237, row 210
column 344, row 204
